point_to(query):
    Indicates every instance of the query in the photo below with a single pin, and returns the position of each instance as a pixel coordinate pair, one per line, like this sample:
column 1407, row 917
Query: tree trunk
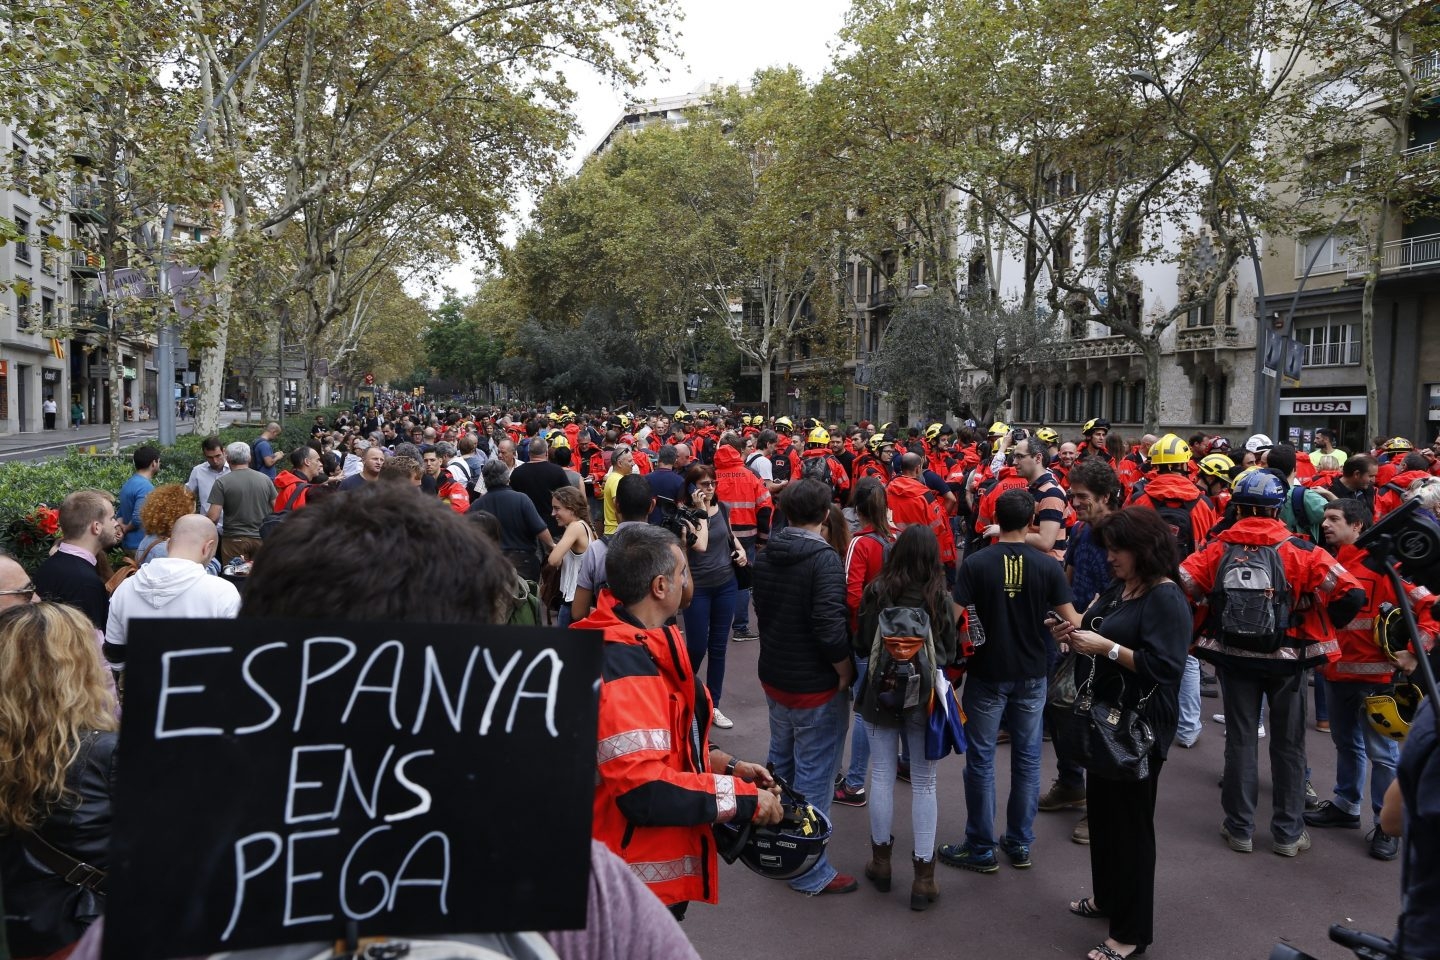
column 765, row 384
column 1367, row 341
column 115, row 355
column 1150, row 348
column 212, row 358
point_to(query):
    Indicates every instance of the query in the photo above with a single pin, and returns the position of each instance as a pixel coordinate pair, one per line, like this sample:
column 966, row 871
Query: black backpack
column 1176, row 514
column 817, row 468
column 780, row 466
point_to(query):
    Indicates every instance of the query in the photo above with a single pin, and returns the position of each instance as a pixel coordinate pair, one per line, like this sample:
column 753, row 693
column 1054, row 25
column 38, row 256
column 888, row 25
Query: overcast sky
column 719, row 41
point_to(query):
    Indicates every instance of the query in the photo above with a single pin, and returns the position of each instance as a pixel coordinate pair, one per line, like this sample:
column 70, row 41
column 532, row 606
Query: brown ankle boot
column 878, row 869
column 924, row 890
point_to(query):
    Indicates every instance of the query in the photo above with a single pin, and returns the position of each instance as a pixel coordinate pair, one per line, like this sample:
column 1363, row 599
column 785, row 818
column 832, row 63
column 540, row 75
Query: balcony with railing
column 1425, row 69
column 1401, row 256
column 85, row 262
column 91, row 314
column 87, row 203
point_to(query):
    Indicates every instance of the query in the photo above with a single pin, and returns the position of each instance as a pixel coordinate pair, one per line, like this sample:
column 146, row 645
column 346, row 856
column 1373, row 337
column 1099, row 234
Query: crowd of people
column 875, row 566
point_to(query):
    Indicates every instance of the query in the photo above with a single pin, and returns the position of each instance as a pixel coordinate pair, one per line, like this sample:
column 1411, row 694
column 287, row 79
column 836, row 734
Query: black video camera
column 680, row 520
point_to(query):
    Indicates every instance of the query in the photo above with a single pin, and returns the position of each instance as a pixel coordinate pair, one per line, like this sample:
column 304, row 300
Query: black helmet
column 780, row 851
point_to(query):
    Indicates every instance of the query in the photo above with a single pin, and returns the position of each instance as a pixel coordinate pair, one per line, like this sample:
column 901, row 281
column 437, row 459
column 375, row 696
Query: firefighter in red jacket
column 868, row 464
column 1319, row 594
column 1364, row 669
column 1171, row 492
column 1389, row 494
column 817, row 446
column 1216, row 473
column 912, row 502
column 1096, row 431
column 660, row 784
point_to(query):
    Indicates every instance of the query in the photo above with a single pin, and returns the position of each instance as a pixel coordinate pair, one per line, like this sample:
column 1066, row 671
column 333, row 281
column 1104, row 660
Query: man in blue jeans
column 1006, row 591
column 805, row 666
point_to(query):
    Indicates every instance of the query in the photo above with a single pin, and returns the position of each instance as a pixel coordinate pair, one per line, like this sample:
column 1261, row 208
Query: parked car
column 228, row 404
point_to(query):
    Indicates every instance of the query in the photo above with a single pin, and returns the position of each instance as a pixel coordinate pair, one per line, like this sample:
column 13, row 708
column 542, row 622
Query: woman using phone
column 713, row 558
column 1129, row 639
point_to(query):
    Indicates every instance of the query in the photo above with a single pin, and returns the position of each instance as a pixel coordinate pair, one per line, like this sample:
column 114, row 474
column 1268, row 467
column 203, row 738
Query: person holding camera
column 713, row 553
column 910, row 577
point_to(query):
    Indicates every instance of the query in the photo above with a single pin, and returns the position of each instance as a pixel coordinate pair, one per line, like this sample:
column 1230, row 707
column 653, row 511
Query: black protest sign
column 279, row 779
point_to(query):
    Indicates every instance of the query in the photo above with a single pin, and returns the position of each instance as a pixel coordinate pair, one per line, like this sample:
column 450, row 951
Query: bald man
column 15, row 585
column 175, row 586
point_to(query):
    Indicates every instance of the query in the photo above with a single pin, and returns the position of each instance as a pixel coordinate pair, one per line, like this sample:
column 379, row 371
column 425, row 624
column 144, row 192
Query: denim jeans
column 1356, row 742
column 1021, row 703
column 1068, row 772
column 859, row 742
column 1243, row 691
column 564, row 618
column 742, row 597
column 1322, row 709
column 707, row 631
column 924, row 813
column 1189, row 729
column 805, row 748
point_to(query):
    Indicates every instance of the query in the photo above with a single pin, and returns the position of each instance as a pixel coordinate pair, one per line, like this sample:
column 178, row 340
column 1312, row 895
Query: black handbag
column 1108, row 738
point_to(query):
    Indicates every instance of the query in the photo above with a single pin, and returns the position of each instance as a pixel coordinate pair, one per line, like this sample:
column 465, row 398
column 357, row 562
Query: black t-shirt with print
column 1010, row 587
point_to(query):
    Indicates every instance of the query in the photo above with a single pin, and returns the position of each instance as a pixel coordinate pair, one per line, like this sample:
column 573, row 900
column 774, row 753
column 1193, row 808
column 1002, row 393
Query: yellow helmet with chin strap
column 1047, row 435
column 999, row 428
column 818, row 435
column 933, row 431
column 785, row 422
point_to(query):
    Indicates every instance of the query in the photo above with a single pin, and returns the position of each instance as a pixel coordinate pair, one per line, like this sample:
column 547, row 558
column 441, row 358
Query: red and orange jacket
column 1323, row 593
column 1389, row 495
column 655, row 794
column 863, row 559
column 454, row 493
column 1005, row 479
column 869, row 465
column 285, row 483
column 1361, row 660
column 741, row 492
column 912, row 502
column 1172, row 489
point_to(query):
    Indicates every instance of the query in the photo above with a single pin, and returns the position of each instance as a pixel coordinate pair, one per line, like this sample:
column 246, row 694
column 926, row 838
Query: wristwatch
column 1114, row 653
column 730, row 767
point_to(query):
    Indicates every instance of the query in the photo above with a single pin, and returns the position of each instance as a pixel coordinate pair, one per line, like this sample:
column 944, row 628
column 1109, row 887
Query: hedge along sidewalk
column 25, row 485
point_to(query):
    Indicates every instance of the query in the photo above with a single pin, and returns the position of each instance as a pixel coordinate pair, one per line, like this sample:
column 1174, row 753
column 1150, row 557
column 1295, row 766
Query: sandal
column 1085, row 907
column 1108, row 952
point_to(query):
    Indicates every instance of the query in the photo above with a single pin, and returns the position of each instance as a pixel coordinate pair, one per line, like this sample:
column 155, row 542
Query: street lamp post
column 1264, row 413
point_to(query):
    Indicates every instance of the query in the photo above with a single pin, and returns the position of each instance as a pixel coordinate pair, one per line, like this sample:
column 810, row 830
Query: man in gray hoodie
column 175, row 586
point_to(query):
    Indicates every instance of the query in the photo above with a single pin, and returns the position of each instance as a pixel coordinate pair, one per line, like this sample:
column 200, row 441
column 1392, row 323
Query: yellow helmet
column 1170, row 449
column 560, row 442
column 932, row 431
column 1047, row 435
column 818, row 435
column 1390, row 714
column 785, row 422
column 1398, row 444
column 1096, row 423
column 1217, row 465
column 679, row 416
column 876, row 441
column 1390, row 631
column 554, row 417
column 999, row 428
column 624, row 418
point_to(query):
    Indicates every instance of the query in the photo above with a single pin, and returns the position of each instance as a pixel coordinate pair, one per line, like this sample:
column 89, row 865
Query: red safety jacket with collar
column 1390, row 494
column 454, row 493
column 1172, row 489
column 869, row 465
column 1322, row 594
column 912, row 502
column 285, row 483
column 741, row 492
column 655, row 794
column 1361, row 660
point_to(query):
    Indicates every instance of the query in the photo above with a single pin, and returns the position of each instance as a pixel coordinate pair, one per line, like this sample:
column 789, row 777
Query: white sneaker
column 1218, row 717
column 720, row 720
column 1262, row 731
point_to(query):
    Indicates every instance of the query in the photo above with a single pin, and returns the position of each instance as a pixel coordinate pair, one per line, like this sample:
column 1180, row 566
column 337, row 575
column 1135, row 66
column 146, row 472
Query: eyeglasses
column 706, row 483
column 27, row 591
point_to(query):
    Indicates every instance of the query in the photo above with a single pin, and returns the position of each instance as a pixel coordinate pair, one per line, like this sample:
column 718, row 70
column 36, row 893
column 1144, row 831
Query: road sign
column 369, row 379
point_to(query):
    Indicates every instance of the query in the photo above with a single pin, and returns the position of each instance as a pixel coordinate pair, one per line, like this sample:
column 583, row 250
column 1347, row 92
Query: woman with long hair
column 57, row 740
column 1129, row 641
column 911, row 577
column 713, row 558
column 863, row 558
column 568, row 506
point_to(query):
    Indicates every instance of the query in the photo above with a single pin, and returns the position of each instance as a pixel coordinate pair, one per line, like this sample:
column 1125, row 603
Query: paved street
column 54, row 443
column 1211, row 903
